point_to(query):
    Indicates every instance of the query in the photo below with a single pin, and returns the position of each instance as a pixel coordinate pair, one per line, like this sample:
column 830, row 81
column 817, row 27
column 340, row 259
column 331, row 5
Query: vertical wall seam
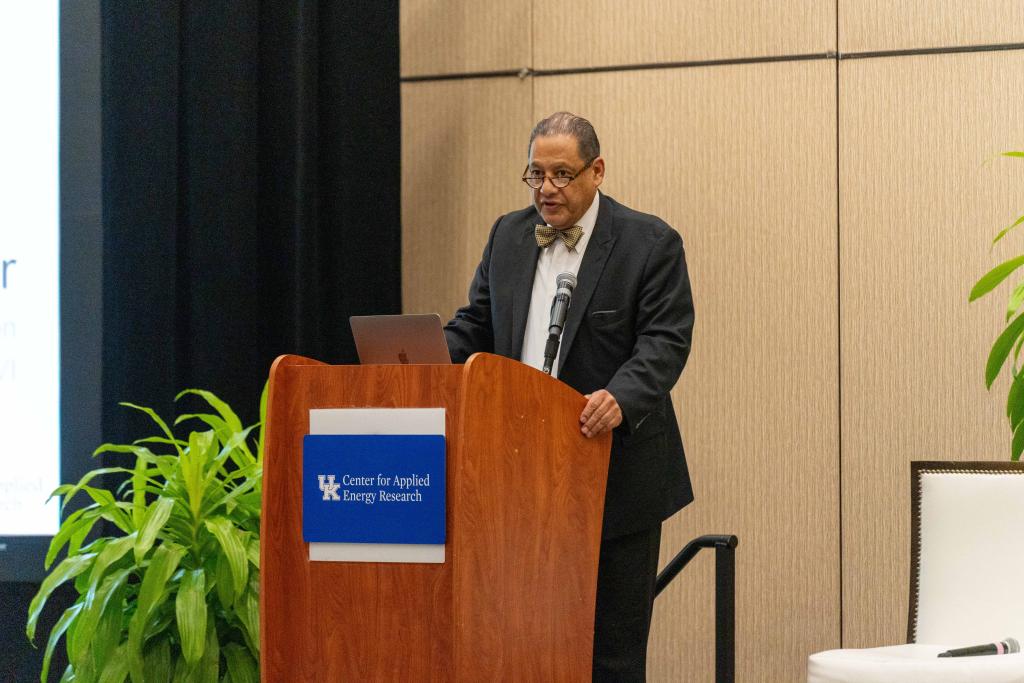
column 530, row 66
column 839, row 338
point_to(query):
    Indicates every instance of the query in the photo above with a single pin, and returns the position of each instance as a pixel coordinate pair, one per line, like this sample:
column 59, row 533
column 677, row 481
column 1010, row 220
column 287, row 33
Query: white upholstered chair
column 966, row 587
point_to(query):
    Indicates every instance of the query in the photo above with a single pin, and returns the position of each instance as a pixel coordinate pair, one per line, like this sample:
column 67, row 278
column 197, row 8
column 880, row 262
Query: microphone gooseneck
column 565, row 283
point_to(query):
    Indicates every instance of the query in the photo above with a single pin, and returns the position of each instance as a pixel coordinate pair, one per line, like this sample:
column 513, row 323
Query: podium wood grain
column 514, row 599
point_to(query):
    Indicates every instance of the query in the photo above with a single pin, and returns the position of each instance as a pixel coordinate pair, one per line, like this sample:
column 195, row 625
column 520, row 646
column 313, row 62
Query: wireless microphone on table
column 1003, row 647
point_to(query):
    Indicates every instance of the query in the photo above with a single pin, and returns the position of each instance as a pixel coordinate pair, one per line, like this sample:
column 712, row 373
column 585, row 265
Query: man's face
column 558, row 155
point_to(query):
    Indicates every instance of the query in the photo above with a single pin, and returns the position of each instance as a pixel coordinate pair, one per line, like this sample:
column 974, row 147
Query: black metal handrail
column 725, row 595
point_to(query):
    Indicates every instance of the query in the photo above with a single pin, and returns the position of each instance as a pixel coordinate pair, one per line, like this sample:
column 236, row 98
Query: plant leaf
column 178, row 443
column 58, row 630
column 68, row 569
column 77, row 538
column 67, row 529
column 225, row 587
column 115, row 669
column 151, row 592
column 156, row 418
column 992, row 278
column 205, row 671
column 193, row 462
column 1016, row 298
column 111, row 553
column 1015, row 401
column 156, row 517
column 109, row 508
column 95, row 608
column 68, row 491
column 248, row 612
column 210, row 666
column 222, row 408
column 253, row 551
column 190, row 611
column 1017, row 445
column 1005, row 231
column 137, row 451
column 110, row 629
column 263, row 421
column 234, row 549
column 1001, row 348
column 1013, row 154
column 158, row 662
column 240, row 664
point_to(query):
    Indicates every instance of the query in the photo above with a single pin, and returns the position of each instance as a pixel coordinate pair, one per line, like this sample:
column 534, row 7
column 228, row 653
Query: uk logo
column 328, row 486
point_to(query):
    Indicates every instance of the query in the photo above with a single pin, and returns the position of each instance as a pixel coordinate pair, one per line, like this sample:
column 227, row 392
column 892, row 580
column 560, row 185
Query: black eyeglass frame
column 526, row 178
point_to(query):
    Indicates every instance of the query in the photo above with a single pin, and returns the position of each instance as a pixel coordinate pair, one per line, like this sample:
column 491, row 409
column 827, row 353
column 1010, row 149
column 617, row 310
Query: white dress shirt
column 553, row 260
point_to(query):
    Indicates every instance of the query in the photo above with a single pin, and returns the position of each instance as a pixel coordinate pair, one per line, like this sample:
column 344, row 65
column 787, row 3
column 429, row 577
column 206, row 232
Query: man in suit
column 625, row 342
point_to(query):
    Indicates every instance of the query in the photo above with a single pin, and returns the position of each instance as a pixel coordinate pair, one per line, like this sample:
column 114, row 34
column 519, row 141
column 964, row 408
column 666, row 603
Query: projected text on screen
column 29, row 269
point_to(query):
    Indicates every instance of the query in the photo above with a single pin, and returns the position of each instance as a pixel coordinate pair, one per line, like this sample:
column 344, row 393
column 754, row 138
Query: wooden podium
column 514, row 599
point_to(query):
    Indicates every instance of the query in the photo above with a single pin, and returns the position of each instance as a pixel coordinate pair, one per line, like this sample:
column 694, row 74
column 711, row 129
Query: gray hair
column 565, row 123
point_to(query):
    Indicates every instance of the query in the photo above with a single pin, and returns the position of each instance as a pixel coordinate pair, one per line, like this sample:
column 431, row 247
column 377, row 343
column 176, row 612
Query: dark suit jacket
column 628, row 331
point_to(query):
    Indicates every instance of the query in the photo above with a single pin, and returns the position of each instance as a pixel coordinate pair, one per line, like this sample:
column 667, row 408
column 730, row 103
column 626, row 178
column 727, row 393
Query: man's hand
column 601, row 414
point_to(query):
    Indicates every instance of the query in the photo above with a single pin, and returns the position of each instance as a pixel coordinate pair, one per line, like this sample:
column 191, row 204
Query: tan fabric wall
column 835, row 214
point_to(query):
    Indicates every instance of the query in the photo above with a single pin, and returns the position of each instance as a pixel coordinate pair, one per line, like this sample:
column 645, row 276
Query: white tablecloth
column 912, row 664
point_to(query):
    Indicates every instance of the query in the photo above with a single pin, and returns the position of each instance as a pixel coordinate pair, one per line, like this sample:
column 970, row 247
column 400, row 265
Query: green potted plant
column 174, row 596
column 1010, row 339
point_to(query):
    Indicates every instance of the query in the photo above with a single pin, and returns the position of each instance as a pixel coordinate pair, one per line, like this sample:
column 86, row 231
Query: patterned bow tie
column 545, row 235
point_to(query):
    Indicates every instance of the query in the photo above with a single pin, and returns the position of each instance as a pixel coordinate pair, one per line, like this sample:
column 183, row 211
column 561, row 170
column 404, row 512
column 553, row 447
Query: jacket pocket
column 607, row 318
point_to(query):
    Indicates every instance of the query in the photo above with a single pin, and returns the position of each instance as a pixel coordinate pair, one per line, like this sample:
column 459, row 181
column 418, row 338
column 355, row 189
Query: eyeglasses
column 561, row 179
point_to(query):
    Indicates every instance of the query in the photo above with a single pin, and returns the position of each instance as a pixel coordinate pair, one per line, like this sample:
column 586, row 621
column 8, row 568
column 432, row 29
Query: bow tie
column 545, row 235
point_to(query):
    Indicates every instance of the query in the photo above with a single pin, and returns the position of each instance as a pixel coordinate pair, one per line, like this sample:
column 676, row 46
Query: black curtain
column 251, row 191
column 251, row 185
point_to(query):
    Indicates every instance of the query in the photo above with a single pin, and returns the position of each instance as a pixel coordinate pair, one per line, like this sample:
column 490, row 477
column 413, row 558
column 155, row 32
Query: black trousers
column 626, row 574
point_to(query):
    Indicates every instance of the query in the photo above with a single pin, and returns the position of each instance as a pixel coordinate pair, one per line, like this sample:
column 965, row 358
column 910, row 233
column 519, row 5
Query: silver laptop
column 400, row 339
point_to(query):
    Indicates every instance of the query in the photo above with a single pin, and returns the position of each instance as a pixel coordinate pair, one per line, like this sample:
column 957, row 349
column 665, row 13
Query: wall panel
column 741, row 160
column 871, row 25
column 611, row 32
column 463, row 153
column 918, row 209
column 463, row 36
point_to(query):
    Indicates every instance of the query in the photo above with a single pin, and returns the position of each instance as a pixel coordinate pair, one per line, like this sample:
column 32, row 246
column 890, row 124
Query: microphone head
column 1012, row 645
column 566, row 280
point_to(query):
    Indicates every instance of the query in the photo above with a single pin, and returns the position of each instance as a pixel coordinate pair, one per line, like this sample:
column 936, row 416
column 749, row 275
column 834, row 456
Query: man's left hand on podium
column 601, row 414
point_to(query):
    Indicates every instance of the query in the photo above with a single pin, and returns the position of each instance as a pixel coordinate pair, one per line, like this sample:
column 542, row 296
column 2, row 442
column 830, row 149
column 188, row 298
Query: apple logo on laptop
column 403, row 357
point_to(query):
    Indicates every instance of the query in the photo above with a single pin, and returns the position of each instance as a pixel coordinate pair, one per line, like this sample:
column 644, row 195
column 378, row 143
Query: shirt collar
column 587, row 221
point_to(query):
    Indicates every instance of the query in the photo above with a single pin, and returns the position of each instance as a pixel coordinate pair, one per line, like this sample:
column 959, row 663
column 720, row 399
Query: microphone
column 1003, row 647
column 565, row 283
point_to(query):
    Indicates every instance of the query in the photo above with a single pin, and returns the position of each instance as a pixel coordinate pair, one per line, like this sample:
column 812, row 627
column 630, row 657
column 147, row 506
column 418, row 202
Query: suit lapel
column 594, row 258
column 525, row 265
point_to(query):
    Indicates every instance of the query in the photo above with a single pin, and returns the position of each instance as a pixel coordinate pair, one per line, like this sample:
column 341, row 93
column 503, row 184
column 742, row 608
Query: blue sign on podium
column 362, row 488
